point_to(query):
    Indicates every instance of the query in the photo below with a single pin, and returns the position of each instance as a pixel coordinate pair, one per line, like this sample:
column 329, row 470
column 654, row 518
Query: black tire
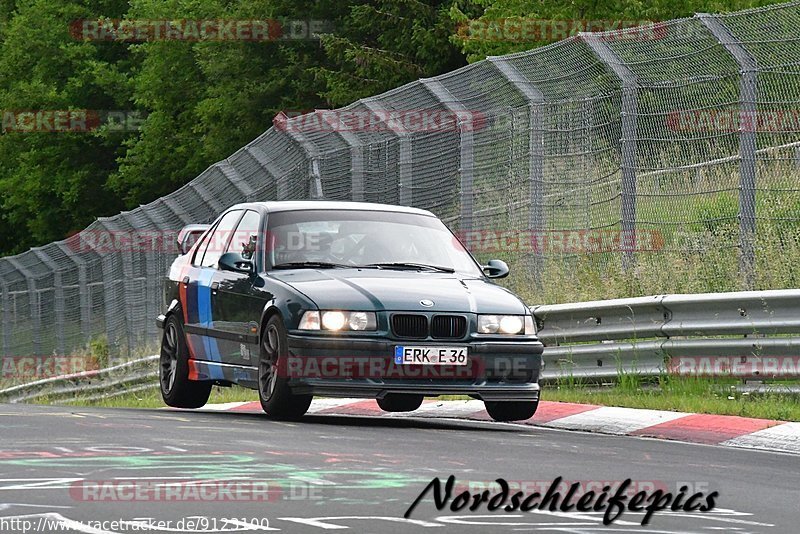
column 511, row 410
column 176, row 388
column 395, row 402
column 274, row 392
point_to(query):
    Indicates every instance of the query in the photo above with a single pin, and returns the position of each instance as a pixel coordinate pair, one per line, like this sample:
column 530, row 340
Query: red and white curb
column 723, row 430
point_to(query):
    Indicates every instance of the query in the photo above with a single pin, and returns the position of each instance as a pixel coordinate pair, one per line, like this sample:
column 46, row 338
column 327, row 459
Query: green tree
column 52, row 183
column 207, row 99
column 384, row 44
column 487, row 27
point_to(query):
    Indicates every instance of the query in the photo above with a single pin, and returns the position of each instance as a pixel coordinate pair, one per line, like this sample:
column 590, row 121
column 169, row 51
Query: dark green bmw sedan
column 344, row 299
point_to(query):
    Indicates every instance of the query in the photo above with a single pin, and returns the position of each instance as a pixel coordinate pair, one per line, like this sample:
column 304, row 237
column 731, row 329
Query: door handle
column 214, row 286
column 186, row 280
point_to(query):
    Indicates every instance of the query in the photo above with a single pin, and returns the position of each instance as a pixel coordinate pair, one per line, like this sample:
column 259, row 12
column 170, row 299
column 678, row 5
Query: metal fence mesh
column 661, row 149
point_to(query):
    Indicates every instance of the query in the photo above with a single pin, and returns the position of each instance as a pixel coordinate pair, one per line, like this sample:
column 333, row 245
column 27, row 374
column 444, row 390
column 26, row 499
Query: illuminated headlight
column 502, row 324
column 333, row 320
column 338, row 320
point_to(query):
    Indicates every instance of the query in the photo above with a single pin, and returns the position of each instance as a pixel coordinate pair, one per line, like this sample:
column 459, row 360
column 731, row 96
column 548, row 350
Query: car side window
column 246, row 235
column 219, row 238
column 201, row 249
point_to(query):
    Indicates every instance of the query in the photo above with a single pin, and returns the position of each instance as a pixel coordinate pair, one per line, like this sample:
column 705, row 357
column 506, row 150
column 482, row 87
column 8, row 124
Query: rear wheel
column 176, row 388
column 274, row 392
column 394, row 402
column 511, row 411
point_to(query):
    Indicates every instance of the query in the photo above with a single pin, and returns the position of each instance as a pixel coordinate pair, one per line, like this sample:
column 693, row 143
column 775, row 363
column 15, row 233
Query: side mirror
column 496, row 269
column 189, row 235
column 233, row 261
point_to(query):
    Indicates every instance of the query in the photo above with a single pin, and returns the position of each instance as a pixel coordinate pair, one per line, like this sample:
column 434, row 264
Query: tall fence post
column 406, row 155
column 83, row 290
column 154, row 272
column 748, row 98
column 59, row 308
column 6, row 320
column 466, row 148
column 314, row 175
column 331, row 118
column 629, row 141
column 536, row 101
column 33, row 304
column 273, row 169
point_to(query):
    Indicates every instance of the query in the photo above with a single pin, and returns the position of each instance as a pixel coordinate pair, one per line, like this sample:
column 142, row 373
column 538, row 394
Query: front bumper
column 498, row 370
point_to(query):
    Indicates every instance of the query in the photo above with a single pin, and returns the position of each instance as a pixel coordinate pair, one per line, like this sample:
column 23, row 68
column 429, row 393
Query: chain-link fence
column 651, row 155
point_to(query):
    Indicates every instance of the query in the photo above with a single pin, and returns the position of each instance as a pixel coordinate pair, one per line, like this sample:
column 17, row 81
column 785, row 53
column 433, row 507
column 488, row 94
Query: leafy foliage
column 203, row 100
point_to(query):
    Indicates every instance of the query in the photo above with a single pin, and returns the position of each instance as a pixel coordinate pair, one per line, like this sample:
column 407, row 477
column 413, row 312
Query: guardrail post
column 467, row 145
column 748, row 97
column 536, row 102
column 629, row 113
column 406, row 155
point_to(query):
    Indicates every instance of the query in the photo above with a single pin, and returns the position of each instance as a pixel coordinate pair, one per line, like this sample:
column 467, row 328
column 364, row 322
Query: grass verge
column 681, row 394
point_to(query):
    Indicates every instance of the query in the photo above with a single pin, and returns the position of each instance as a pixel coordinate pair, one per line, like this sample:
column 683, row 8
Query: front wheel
column 511, row 410
column 176, row 388
column 274, row 392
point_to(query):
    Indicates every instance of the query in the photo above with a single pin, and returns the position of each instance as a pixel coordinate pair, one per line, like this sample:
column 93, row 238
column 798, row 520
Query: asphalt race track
column 72, row 469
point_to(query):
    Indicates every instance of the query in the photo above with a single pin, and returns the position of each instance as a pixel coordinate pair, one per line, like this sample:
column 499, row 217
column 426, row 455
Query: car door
column 199, row 281
column 236, row 303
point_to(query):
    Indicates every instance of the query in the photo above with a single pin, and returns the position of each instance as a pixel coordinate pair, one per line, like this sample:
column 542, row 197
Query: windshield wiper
column 313, row 265
column 412, row 266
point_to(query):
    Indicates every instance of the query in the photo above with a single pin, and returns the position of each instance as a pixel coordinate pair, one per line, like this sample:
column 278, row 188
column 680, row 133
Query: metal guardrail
column 133, row 375
column 652, row 335
column 643, row 336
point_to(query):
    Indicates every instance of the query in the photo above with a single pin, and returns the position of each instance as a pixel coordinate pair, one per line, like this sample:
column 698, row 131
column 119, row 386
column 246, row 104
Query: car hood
column 371, row 289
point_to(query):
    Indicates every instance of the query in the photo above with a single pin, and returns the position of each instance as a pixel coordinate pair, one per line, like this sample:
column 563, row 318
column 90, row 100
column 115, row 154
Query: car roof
column 299, row 205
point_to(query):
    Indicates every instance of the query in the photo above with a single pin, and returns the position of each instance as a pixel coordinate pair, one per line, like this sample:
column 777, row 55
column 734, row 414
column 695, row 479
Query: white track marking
column 325, row 522
column 783, row 437
column 223, row 407
column 575, row 516
column 618, row 421
column 317, row 405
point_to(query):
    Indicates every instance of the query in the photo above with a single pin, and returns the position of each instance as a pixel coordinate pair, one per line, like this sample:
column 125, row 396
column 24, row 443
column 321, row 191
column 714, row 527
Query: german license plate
column 419, row 355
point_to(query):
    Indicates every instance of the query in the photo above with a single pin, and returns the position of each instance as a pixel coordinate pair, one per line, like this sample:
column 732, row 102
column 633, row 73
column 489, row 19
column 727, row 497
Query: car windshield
column 375, row 239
